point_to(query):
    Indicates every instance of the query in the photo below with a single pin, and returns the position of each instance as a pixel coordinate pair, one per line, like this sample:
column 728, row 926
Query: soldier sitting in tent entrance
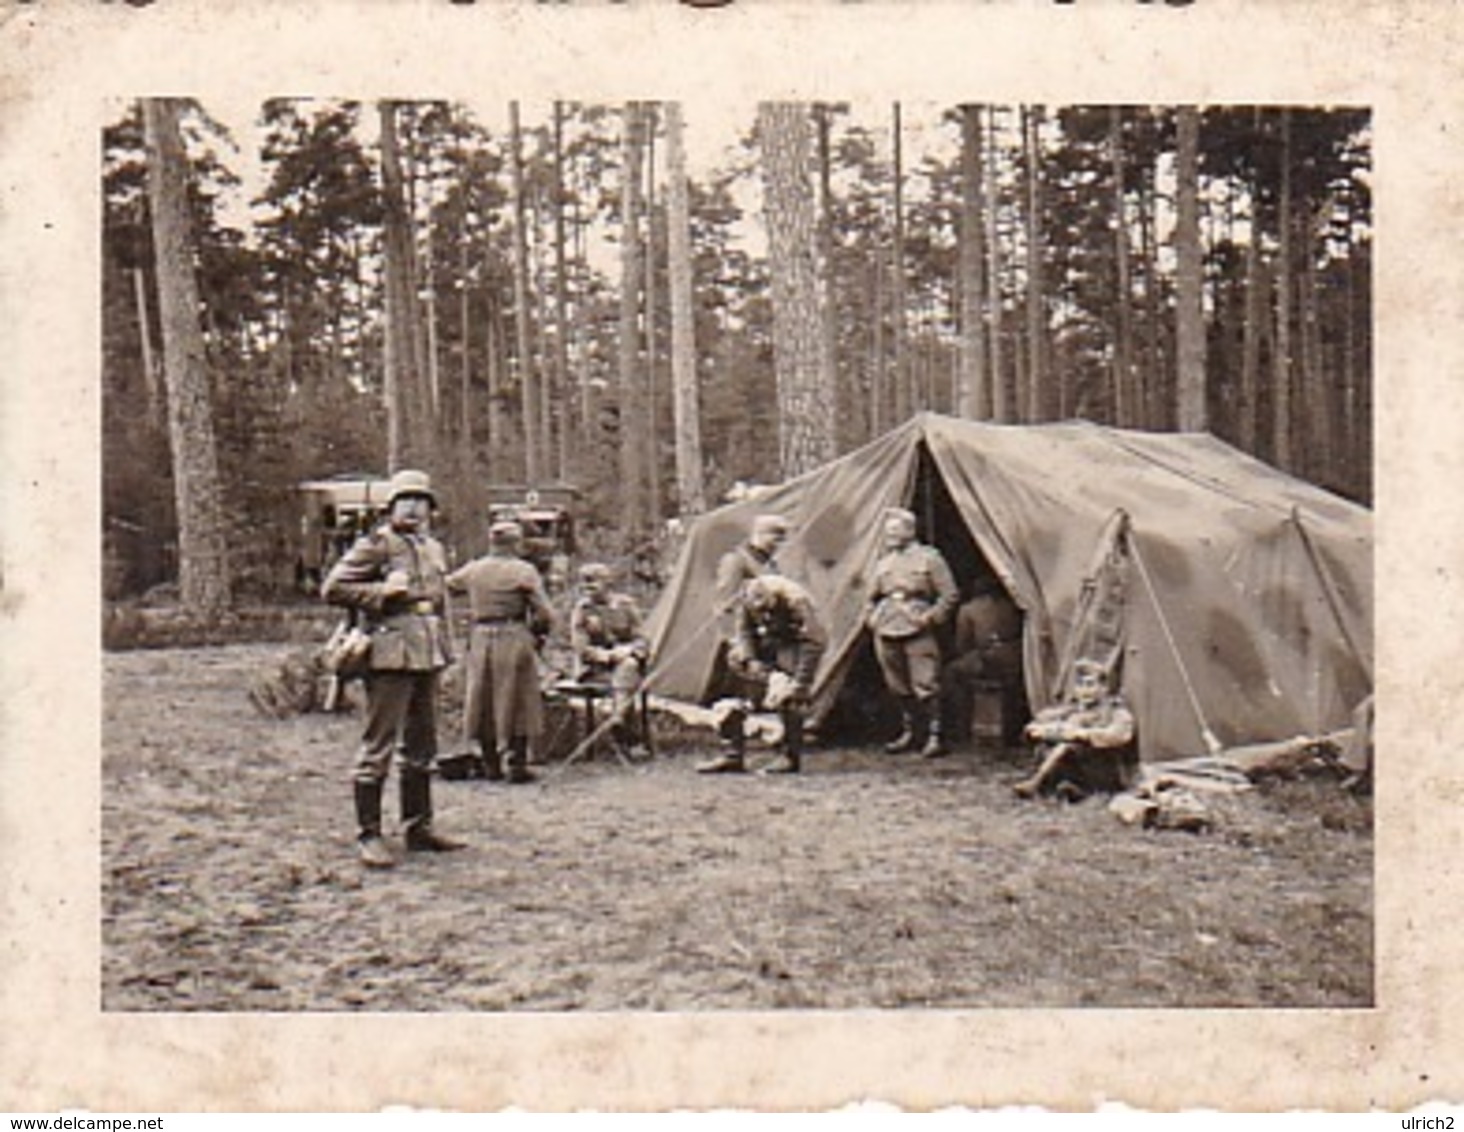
column 988, row 652
column 1086, row 743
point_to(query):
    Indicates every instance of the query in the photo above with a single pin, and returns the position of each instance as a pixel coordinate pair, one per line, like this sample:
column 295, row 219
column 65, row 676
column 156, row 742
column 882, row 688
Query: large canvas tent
column 1232, row 601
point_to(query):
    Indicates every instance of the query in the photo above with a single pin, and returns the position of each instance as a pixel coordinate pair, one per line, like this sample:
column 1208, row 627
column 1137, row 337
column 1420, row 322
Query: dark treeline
column 537, row 302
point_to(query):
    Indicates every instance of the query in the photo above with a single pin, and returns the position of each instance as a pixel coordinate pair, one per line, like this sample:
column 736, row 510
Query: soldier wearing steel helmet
column 504, row 710
column 913, row 592
column 394, row 577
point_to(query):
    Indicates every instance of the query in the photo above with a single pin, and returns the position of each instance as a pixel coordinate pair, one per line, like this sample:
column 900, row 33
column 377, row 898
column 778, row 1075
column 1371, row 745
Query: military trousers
column 401, row 713
column 911, row 665
column 622, row 677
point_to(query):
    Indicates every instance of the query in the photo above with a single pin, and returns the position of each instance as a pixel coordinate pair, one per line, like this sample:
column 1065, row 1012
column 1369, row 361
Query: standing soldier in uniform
column 511, row 613
column 913, row 592
column 394, row 578
column 756, row 556
column 774, row 651
column 609, row 649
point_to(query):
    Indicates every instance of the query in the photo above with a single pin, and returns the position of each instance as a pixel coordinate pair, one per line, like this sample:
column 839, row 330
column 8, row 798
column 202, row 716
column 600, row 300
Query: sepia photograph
column 644, row 558
column 808, row 555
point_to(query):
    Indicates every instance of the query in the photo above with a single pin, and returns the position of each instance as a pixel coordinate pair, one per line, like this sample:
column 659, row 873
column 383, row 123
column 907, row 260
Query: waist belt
column 500, row 622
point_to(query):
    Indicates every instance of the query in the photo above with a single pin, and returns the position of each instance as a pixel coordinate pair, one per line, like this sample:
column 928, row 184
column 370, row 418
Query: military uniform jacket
column 734, row 570
column 913, row 591
column 786, row 634
column 408, row 633
column 1106, row 724
column 597, row 626
column 504, row 589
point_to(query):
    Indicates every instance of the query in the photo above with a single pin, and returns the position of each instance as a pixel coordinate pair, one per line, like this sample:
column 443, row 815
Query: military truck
column 333, row 513
column 546, row 514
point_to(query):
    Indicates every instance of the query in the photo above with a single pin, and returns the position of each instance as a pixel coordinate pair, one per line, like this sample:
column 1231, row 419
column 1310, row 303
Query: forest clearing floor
column 230, row 880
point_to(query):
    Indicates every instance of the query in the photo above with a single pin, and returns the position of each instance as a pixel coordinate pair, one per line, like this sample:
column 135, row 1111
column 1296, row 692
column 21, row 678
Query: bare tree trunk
column 972, row 395
column 878, row 376
column 406, row 409
column 497, row 430
column 561, row 301
column 203, row 569
column 1282, row 396
column 685, row 397
column 1038, row 394
column 1152, row 384
column 652, row 446
column 144, row 335
column 1318, row 420
column 528, row 378
column 1001, row 405
column 805, row 402
column 632, row 423
column 1123, row 347
column 1191, row 408
column 845, row 431
column 901, row 370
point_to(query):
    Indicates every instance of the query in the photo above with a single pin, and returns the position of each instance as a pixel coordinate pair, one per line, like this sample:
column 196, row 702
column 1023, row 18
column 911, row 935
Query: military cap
column 505, row 532
column 770, row 524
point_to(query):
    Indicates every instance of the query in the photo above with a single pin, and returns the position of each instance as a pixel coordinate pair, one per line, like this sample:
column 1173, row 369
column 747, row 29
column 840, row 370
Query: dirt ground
column 871, row 881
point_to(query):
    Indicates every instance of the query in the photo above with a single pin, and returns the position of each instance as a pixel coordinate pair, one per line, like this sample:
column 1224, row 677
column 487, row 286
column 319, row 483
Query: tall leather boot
column 492, row 762
column 791, row 760
column 733, row 759
column 934, row 748
column 909, row 738
column 372, row 849
column 518, row 761
column 416, row 788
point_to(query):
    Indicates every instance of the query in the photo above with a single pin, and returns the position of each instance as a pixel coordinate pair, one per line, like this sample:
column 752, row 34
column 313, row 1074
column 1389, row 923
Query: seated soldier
column 1085, row 743
column 775, row 649
column 610, row 650
column 988, row 647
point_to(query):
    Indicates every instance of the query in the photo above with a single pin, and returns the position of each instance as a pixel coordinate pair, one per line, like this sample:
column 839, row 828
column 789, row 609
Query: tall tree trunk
column 685, row 398
column 1037, row 392
column 203, row 569
column 805, row 402
column 527, row 376
column 561, row 302
column 845, row 431
column 632, row 413
column 1319, row 418
column 901, row 366
column 972, row 395
column 1001, row 405
column 1123, row 347
column 1281, row 400
column 497, row 428
column 1255, row 312
column 652, row 446
column 1191, row 407
column 1151, row 390
column 879, row 420
column 406, row 408
column 145, row 338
